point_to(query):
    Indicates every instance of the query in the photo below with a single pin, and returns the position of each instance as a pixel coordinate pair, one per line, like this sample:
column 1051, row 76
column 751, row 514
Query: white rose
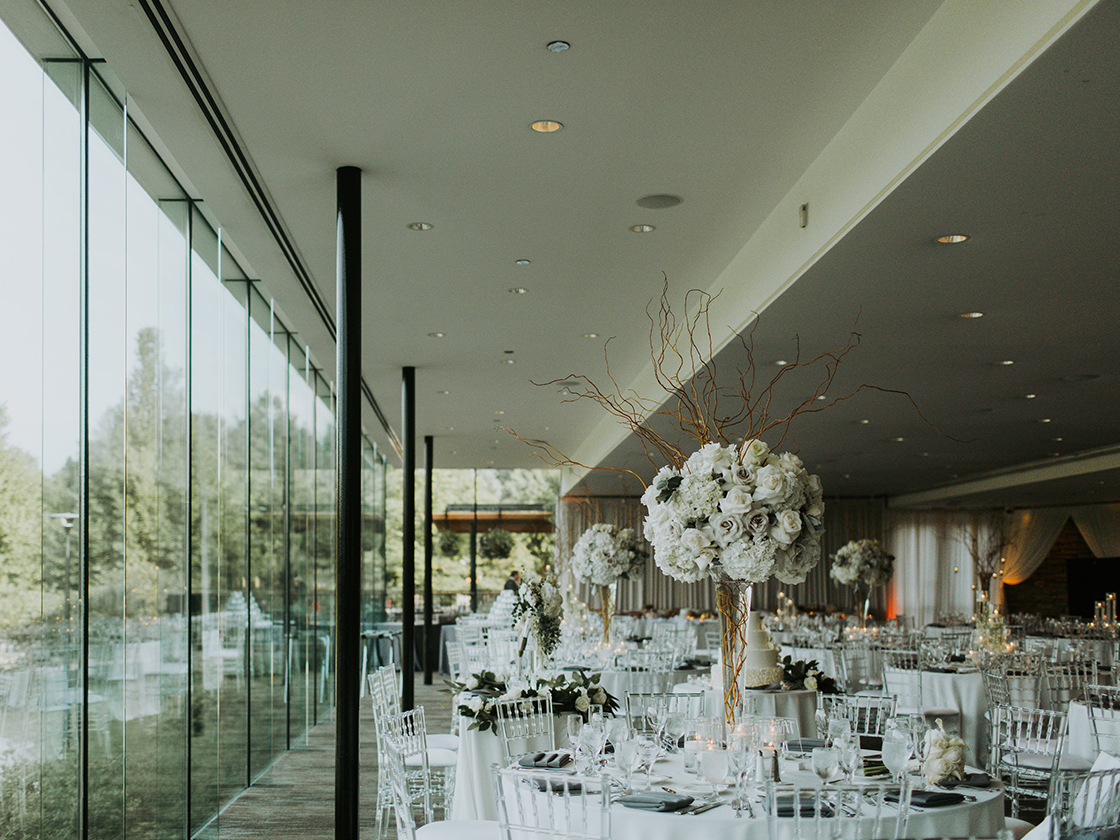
column 582, row 703
column 475, row 704
column 743, row 474
column 600, row 696
column 811, row 683
column 694, row 542
column 727, row 528
column 472, row 682
column 739, row 499
column 754, row 453
column 758, row 523
column 771, row 487
column 787, row 527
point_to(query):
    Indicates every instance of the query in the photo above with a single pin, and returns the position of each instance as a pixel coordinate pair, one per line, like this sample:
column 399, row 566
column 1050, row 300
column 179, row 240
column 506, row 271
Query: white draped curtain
column 1100, row 526
column 1031, row 536
column 933, row 567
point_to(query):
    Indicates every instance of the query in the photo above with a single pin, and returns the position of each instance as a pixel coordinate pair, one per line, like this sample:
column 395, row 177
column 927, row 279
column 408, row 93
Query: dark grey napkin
column 656, row 800
column 930, row 798
column 805, row 744
column 546, row 760
column 972, row 780
column 808, row 807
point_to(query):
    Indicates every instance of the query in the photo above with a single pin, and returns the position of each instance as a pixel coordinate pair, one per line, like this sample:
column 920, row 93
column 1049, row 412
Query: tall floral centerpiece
column 603, row 554
column 739, row 515
column 541, row 606
column 865, row 564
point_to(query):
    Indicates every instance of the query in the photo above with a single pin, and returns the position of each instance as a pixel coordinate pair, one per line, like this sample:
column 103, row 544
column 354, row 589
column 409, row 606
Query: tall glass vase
column 606, row 609
column 733, row 600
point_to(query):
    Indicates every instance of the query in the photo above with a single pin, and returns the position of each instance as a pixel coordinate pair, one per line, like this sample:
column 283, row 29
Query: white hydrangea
column 745, row 513
column 604, row 553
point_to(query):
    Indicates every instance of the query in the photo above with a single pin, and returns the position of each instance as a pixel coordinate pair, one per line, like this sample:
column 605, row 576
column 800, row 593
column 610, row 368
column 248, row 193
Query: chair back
column 867, row 714
column 642, row 707
column 525, row 725
column 541, row 805
column 866, row 812
column 1066, row 681
column 647, row 671
column 902, row 677
column 860, row 667
column 1086, row 805
column 1104, row 714
column 403, row 741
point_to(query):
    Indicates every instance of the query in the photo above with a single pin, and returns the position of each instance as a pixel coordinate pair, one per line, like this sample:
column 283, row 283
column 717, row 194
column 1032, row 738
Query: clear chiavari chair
column 1104, row 715
column 1086, row 805
column 540, row 806
column 525, row 725
column 853, row 812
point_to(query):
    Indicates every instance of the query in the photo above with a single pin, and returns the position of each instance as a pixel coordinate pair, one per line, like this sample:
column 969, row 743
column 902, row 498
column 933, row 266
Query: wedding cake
column 760, row 657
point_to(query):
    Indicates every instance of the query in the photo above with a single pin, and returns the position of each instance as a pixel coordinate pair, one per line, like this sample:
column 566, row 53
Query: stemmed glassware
column 897, row 746
column 675, row 726
column 713, row 767
column 628, row 757
column 847, row 750
column 742, row 753
column 825, row 762
column 648, row 750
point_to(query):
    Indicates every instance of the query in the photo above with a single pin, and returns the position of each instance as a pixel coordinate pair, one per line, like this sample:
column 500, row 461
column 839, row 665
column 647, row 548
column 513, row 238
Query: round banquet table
column 980, row 818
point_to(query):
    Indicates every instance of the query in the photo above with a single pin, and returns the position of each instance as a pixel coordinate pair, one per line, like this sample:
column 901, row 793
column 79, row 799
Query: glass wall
column 167, row 563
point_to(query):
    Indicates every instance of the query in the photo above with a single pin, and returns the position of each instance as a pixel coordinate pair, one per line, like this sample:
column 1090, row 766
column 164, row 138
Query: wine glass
column 713, row 767
column 573, row 725
column 629, row 758
column 742, row 751
column 825, row 762
column 848, row 752
column 648, row 750
column 675, row 726
column 838, row 728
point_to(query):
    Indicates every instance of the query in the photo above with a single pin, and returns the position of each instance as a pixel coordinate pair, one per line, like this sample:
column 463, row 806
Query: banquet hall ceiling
column 894, row 122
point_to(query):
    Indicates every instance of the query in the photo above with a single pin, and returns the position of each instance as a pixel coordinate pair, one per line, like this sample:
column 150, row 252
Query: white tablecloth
column 826, row 658
column 966, row 693
column 618, row 682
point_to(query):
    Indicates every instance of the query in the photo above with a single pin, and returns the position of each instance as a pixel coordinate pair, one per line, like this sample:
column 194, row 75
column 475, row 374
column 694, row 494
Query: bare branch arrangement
column 702, row 409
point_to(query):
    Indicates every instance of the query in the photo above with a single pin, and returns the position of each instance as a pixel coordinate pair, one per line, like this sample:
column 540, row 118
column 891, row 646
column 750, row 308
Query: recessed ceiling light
column 521, row 261
column 1008, row 362
column 443, row 392
column 864, row 422
column 518, row 290
column 952, row 238
column 642, row 228
column 546, row 126
column 972, row 314
column 898, row 439
column 822, row 397
column 590, row 335
column 1030, row 396
column 499, row 411
column 509, row 361
column 436, row 335
column 1056, row 440
column 558, row 46
column 780, row 362
column 420, row 226
column 1044, row 420
column 659, row 201
column 449, row 428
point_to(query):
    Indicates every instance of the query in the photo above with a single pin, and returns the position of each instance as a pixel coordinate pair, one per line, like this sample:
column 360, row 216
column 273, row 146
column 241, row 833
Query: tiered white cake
column 760, row 658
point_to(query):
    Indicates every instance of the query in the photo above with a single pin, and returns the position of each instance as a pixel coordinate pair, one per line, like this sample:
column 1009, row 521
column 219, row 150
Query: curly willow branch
column 682, row 352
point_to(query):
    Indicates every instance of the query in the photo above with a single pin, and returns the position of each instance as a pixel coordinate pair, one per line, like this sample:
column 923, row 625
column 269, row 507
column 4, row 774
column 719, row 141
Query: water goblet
column 628, row 758
column 848, row 753
column 838, row 728
column 825, row 762
column 675, row 725
column 713, row 767
column 896, row 752
column 573, row 725
column 648, row 749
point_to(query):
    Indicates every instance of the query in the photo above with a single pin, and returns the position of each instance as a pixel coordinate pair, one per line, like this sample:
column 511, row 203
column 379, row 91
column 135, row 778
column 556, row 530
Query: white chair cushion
column 443, row 742
column 436, row 758
column 1018, row 828
column 459, row 830
column 1035, row 761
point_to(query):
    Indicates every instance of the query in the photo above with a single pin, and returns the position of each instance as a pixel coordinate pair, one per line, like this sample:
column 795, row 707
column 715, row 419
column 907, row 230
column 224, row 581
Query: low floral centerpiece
column 806, row 676
column 862, row 563
column 602, row 555
column 541, row 606
column 944, row 756
column 476, row 697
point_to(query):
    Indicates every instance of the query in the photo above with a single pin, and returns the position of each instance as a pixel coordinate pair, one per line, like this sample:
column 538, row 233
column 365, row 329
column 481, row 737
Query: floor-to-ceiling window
column 166, row 481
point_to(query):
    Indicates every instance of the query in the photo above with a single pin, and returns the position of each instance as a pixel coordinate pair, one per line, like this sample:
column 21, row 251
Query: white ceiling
column 895, row 121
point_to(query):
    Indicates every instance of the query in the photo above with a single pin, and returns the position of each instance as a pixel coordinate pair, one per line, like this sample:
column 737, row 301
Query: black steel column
column 429, row 449
column 348, row 466
column 474, row 548
column 408, row 572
